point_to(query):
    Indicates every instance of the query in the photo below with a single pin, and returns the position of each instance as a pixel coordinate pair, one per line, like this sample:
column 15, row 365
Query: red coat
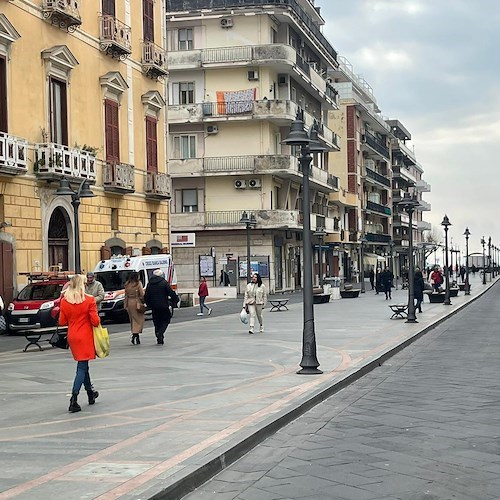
column 80, row 319
column 203, row 289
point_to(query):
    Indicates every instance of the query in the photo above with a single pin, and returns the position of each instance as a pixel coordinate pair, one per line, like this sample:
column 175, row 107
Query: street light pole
column 467, row 286
column 483, row 242
column 446, row 223
column 320, row 232
column 83, row 191
column 308, row 144
column 362, row 242
column 409, row 204
column 250, row 223
column 489, row 256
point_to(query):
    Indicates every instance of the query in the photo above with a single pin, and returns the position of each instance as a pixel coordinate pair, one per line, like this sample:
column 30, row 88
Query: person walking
column 134, row 305
column 203, row 294
column 386, row 281
column 79, row 313
column 224, row 278
column 436, row 279
column 378, row 282
column 418, row 289
column 94, row 288
column 371, row 276
column 157, row 296
column 255, row 300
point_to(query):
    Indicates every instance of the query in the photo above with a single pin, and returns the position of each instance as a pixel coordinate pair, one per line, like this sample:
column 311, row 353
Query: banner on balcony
column 233, row 102
column 183, row 240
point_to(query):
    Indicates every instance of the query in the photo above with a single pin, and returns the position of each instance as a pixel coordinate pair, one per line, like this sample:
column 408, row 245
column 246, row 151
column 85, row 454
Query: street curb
column 189, row 482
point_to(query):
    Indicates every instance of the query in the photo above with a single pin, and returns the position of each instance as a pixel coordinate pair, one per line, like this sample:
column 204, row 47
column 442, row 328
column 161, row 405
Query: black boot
column 93, row 395
column 137, row 339
column 73, row 404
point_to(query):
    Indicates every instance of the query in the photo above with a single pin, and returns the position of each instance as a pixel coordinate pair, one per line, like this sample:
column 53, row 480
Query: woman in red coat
column 79, row 312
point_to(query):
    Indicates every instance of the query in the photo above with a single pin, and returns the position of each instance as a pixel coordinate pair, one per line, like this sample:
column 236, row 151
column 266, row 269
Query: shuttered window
column 3, row 96
column 151, row 144
column 148, row 20
column 108, row 8
column 112, row 131
column 58, row 112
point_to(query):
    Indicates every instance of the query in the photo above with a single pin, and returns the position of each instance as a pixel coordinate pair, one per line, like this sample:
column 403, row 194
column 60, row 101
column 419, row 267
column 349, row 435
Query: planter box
column 349, row 294
column 436, row 298
column 454, row 292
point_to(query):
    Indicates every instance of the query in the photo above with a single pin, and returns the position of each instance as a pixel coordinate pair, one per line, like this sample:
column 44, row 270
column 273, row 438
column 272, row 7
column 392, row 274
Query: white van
column 114, row 272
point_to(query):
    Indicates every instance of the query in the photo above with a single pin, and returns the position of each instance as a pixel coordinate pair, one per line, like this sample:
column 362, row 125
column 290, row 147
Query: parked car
column 35, row 304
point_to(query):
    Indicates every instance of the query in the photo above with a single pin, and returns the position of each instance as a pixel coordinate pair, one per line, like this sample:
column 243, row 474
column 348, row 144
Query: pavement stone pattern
column 166, row 412
column 425, row 425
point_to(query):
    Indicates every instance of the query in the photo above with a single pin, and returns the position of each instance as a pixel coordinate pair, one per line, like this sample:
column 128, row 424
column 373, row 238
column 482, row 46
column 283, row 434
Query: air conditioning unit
column 240, row 184
column 253, row 75
column 282, row 80
column 226, row 22
column 212, row 129
column 254, row 183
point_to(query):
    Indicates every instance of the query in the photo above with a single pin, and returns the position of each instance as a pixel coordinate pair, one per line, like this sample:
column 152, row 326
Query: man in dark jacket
column 418, row 289
column 386, row 281
column 158, row 293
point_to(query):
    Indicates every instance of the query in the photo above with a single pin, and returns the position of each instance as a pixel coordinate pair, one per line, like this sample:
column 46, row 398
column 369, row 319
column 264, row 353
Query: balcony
column 370, row 140
column 13, row 151
column 53, row 161
column 378, row 208
column 423, row 225
column 154, row 61
column 62, row 13
column 378, row 178
column 401, row 172
column 158, row 186
column 114, row 38
column 378, row 238
column 422, row 186
column 119, row 178
column 424, row 206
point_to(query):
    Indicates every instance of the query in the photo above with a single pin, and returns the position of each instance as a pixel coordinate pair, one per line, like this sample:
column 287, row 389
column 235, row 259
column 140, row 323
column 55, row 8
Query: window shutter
column 112, row 131
column 148, row 20
column 146, row 251
column 108, row 8
column 3, row 95
column 151, row 144
column 164, row 250
column 129, row 250
column 105, row 253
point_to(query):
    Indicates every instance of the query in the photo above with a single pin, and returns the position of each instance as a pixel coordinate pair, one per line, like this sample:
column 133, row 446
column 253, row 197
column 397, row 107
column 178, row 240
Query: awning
column 372, row 259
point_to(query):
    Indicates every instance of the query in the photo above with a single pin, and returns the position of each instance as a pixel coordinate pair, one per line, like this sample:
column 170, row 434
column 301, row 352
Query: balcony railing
column 53, row 161
column 13, row 151
column 62, row 13
column 377, row 207
column 399, row 171
column 158, row 185
column 115, row 37
column 378, row 237
column 423, row 186
column 377, row 177
column 119, row 178
column 265, row 218
column 154, row 61
column 375, row 144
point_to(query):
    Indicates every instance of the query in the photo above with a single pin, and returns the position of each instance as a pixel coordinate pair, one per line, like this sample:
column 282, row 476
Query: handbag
column 139, row 304
column 59, row 340
column 101, row 341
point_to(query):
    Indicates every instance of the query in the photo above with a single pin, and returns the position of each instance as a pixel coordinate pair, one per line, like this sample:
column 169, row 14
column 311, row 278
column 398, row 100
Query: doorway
column 6, row 274
column 58, row 239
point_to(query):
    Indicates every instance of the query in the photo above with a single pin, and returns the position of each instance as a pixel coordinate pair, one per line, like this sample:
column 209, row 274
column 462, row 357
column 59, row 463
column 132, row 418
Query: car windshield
column 39, row 291
column 113, row 280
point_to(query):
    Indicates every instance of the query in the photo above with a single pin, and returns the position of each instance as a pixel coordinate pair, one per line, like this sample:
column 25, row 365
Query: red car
column 36, row 305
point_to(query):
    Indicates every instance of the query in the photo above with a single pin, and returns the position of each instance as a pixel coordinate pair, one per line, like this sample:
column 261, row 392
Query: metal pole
column 411, row 318
column 447, row 301
column 75, row 201
column 467, row 287
column 248, row 251
column 362, row 267
column 320, row 261
column 309, row 362
column 489, row 256
column 484, row 261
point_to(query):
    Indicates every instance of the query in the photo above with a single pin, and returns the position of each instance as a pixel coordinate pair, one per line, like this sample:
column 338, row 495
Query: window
column 58, row 112
column 189, row 200
column 154, row 222
column 108, row 8
column 184, row 146
column 114, row 219
column 151, row 145
column 3, row 95
column 185, row 39
column 183, row 93
column 112, row 131
column 148, row 20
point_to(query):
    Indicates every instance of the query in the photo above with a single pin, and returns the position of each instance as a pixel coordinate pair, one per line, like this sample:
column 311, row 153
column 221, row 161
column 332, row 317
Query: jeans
column 203, row 305
column 82, row 377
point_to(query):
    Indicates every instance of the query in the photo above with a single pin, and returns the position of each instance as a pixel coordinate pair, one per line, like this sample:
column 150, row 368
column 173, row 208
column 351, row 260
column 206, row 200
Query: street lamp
column 83, row 191
column 362, row 242
column 321, row 233
column 483, row 242
column 467, row 286
column 250, row 222
column 409, row 204
column 489, row 256
column 308, row 144
column 446, row 223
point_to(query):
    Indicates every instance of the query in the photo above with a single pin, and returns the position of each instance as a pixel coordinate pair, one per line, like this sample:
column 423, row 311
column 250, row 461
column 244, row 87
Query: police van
column 114, row 272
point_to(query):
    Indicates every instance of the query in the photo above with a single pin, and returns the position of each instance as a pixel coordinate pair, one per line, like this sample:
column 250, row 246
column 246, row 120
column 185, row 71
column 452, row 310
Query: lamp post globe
column 467, row 285
column 446, row 223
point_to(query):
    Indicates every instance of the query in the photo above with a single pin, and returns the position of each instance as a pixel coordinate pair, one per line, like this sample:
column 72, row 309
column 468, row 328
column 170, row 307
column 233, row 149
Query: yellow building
column 81, row 98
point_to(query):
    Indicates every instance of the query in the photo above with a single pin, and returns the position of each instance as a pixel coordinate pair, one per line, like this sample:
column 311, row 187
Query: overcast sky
column 435, row 65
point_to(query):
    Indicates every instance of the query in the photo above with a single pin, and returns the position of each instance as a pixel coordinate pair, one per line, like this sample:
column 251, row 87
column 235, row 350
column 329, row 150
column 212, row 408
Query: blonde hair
column 75, row 293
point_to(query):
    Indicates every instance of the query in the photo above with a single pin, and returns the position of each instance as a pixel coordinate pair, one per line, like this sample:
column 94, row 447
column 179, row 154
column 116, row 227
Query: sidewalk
column 168, row 417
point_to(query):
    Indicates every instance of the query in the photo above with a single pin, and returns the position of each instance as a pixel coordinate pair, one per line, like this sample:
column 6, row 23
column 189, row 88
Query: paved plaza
column 169, row 417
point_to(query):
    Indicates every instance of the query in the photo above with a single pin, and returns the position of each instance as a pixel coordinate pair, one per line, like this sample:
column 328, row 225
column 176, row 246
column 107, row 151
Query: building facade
column 82, row 98
column 239, row 71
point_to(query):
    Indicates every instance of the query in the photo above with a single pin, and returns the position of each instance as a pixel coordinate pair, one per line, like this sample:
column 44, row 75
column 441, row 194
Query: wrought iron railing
column 158, row 185
column 154, row 60
column 115, row 36
column 63, row 13
column 377, row 177
column 377, row 207
column 375, row 144
column 119, row 175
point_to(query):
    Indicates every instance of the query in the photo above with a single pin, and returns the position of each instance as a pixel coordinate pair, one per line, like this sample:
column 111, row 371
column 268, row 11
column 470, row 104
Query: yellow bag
column 101, row 341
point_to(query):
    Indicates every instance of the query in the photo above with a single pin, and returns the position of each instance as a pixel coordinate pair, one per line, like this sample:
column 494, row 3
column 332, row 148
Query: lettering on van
column 151, row 263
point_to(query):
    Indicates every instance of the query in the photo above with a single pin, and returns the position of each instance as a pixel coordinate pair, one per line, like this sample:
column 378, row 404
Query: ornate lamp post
column 83, row 191
column 489, row 256
column 483, row 242
column 362, row 242
column 446, row 223
column 308, row 144
column 321, row 233
column 250, row 223
column 467, row 286
column 409, row 204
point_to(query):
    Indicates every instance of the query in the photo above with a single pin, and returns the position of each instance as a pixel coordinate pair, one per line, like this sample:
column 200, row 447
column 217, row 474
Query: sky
column 435, row 66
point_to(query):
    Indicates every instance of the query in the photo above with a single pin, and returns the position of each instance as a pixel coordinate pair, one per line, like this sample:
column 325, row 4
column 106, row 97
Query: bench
column 34, row 337
column 319, row 297
column 399, row 310
column 278, row 305
column 349, row 294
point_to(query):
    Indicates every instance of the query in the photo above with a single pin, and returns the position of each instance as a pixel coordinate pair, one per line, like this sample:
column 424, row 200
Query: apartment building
column 239, row 71
column 82, row 98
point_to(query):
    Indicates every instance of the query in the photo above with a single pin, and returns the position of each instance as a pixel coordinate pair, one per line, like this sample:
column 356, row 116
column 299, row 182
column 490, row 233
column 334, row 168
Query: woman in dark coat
column 418, row 289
